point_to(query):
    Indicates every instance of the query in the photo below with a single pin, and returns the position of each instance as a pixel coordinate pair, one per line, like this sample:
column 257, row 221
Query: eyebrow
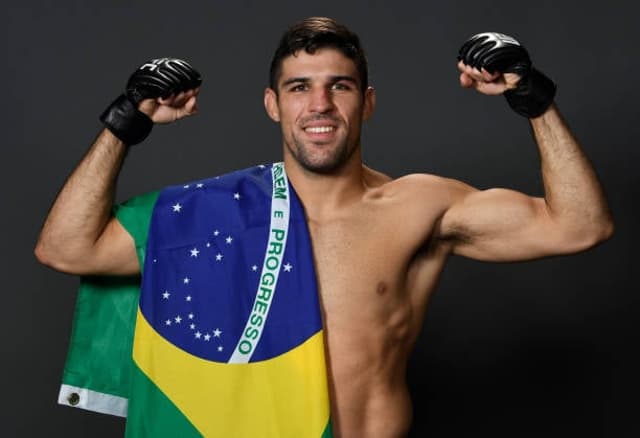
column 332, row 79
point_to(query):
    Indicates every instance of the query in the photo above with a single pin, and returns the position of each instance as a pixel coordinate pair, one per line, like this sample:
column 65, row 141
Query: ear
column 271, row 104
column 369, row 103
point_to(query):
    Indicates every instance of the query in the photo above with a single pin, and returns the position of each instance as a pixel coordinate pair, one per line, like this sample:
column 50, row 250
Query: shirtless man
column 379, row 244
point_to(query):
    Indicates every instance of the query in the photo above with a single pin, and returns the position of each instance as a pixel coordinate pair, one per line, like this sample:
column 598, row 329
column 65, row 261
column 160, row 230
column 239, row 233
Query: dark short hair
column 315, row 33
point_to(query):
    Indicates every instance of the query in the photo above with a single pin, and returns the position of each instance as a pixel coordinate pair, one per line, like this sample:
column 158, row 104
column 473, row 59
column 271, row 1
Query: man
column 372, row 305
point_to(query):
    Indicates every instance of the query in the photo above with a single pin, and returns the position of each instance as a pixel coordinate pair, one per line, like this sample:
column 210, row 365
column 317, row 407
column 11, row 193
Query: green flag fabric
column 97, row 372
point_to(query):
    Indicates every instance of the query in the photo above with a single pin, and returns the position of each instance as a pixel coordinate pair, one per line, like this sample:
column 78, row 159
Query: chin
column 333, row 158
column 324, row 168
column 327, row 164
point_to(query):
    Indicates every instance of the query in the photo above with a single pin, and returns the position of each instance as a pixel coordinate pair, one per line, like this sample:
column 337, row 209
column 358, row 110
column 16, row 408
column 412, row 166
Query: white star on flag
column 186, row 186
column 218, row 257
column 188, row 298
column 217, row 333
column 195, row 252
column 186, row 280
column 199, row 185
column 216, row 232
column 208, row 245
column 198, row 335
column 191, row 316
column 192, row 326
column 177, row 207
column 177, row 319
column 168, row 322
column 220, row 348
column 207, row 337
column 287, row 267
column 254, row 268
column 236, row 196
column 166, row 294
column 229, row 239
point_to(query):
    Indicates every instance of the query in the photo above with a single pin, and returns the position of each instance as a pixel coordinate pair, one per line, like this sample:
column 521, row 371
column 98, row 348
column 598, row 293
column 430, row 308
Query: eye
column 342, row 86
column 298, row 87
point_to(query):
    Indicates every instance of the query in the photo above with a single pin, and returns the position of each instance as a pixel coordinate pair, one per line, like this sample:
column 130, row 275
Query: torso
column 377, row 265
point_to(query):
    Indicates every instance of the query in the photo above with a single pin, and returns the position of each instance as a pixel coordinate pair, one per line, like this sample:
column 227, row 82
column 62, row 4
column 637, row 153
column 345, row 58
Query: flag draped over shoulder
column 228, row 334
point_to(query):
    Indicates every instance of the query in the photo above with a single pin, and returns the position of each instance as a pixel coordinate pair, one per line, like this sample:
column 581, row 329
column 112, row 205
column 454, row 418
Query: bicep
column 502, row 225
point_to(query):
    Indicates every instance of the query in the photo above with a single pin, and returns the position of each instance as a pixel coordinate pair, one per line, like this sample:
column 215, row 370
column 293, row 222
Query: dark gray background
column 544, row 348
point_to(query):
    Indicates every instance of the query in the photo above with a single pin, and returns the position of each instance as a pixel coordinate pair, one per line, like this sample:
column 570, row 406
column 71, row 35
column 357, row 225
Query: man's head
column 319, row 95
column 316, row 33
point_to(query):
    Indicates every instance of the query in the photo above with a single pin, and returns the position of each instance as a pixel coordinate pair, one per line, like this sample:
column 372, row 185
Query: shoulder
column 421, row 201
column 420, row 187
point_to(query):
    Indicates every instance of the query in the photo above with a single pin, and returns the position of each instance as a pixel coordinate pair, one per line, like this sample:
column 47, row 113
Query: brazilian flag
column 222, row 335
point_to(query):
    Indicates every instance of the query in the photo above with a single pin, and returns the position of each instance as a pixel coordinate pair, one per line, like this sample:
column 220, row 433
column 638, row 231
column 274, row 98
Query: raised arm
column 505, row 225
column 80, row 234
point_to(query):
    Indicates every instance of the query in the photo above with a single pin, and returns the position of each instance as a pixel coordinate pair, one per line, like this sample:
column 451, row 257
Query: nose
column 321, row 100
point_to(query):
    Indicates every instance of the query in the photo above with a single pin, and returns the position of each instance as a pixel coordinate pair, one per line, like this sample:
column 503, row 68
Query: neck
column 323, row 194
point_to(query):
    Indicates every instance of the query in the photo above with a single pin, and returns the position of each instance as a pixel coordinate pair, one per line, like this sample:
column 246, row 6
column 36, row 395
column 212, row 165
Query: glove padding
column 156, row 78
column 496, row 52
column 161, row 78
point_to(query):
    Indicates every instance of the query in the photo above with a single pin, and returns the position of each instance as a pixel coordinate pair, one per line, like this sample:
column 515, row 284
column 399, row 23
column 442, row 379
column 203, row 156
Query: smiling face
column 320, row 107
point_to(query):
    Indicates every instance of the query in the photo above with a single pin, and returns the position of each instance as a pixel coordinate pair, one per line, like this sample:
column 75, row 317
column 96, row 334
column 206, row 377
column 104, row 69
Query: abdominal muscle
column 369, row 395
column 373, row 302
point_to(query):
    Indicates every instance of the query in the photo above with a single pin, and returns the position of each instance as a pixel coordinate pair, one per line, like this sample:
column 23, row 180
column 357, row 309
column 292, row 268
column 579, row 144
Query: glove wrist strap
column 533, row 95
column 126, row 122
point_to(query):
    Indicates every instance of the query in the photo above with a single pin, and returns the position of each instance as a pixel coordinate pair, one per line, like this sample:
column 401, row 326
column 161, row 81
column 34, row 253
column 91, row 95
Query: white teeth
column 320, row 129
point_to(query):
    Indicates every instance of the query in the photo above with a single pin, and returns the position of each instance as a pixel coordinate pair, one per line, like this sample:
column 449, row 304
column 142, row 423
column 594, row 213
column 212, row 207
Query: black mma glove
column 156, row 78
column 496, row 52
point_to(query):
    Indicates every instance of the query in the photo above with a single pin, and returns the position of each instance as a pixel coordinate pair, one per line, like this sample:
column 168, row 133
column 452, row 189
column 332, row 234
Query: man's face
column 320, row 107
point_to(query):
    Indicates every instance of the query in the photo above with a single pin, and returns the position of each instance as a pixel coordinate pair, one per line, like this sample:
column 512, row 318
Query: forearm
column 574, row 197
column 82, row 209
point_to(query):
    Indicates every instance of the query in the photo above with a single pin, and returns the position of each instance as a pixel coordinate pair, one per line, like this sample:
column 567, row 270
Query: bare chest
column 360, row 264
column 374, row 278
